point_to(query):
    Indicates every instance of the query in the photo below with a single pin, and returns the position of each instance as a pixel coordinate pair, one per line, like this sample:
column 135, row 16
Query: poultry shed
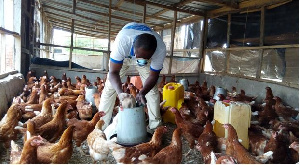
column 51, row 51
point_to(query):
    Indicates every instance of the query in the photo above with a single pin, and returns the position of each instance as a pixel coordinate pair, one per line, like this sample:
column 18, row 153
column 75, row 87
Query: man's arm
column 148, row 85
column 114, row 76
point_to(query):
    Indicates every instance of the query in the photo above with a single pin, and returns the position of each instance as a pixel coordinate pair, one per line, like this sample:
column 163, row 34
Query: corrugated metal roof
column 91, row 17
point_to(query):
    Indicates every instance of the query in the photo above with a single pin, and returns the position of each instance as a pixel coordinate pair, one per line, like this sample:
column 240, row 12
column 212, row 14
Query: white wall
column 11, row 85
column 290, row 96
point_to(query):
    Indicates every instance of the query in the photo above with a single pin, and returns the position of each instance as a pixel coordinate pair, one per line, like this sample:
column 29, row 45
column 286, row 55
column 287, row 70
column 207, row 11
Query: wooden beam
column 2, row 30
column 80, row 48
column 172, row 41
column 77, row 31
column 182, row 21
column 83, row 22
column 104, row 64
column 144, row 13
column 204, row 42
column 244, row 6
column 161, row 12
column 222, row 3
column 119, row 3
column 93, row 12
column 256, row 47
column 71, row 46
column 227, row 53
column 83, row 28
column 125, row 11
column 79, row 16
column 183, row 2
column 74, row 6
column 261, row 41
column 141, row 2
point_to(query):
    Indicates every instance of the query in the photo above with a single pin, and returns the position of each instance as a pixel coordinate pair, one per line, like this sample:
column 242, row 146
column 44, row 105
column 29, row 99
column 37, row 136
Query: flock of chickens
column 51, row 115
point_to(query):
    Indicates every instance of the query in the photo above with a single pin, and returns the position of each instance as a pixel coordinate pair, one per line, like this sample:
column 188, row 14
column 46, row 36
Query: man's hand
column 140, row 98
column 122, row 96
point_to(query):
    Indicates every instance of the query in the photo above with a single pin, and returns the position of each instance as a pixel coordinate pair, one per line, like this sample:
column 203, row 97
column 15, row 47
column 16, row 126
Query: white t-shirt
column 123, row 45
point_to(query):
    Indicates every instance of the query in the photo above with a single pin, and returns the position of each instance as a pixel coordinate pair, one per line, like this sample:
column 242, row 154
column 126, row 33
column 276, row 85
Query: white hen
column 98, row 146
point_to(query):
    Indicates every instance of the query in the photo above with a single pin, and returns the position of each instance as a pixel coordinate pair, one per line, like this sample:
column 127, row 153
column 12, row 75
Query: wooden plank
column 243, row 6
column 119, row 3
column 105, row 65
column 203, row 46
column 183, row 2
column 83, row 32
column 118, row 9
column 80, row 28
column 5, row 31
column 144, row 13
column 81, row 23
column 261, row 42
column 222, row 3
column 90, row 27
column 71, row 46
column 141, row 2
column 88, row 49
column 74, row 6
column 172, row 41
column 192, row 19
column 261, row 47
column 227, row 53
column 91, row 11
column 80, row 16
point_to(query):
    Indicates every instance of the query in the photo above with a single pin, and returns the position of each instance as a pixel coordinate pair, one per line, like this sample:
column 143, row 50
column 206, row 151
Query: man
column 136, row 44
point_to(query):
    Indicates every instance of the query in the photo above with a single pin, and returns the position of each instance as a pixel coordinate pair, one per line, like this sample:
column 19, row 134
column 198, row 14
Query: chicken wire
column 181, row 65
column 281, row 65
column 215, row 61
column 278, row 64
column 243, row 62
column 185, row 65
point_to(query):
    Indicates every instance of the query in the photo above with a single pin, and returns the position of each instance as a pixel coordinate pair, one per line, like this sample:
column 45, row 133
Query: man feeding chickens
column 136, row 44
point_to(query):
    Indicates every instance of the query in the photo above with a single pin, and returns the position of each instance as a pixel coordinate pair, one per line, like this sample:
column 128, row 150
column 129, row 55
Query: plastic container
column 137, row 82
column 131, row 126
column 89, row 92
column 173, row 93
column 235, row 113
column 219, row 90
column 185, row 84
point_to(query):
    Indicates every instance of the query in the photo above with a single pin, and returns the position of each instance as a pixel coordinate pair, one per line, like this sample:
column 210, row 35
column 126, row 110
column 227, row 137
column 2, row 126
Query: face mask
column 141, row 62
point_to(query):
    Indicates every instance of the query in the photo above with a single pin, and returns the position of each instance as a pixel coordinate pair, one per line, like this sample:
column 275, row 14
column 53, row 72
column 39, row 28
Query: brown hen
column 141, row 151
column 207, row 142
column 190, row 130
column 8, row 123
column 83, row 128
column 54, row 128
column 171, row 154
column 59, row 152
column 236, row 149
column 284, row 111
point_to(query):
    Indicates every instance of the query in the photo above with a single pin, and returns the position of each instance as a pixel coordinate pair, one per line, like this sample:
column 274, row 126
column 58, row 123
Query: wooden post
column 227, row 54
column 106, row 56
column 71, row 46
column 144, row 13
column 172, row 41
column 72, row 34
column 261, row 42
column 203, row 46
